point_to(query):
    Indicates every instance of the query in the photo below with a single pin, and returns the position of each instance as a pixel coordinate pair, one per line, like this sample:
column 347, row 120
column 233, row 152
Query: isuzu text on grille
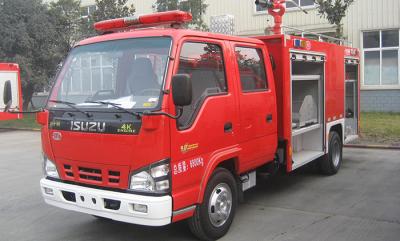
column 91, row 126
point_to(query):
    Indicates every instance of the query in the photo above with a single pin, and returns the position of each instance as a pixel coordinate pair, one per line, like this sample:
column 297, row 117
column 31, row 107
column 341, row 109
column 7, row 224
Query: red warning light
column 143, row 21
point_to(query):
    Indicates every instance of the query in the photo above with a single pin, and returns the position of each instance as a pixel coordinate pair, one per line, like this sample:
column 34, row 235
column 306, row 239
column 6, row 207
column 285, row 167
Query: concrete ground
column 362, row 202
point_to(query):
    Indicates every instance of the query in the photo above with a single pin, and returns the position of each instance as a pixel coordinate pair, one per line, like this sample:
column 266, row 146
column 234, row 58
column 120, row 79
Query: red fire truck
column 10, row 91
column 151, row 125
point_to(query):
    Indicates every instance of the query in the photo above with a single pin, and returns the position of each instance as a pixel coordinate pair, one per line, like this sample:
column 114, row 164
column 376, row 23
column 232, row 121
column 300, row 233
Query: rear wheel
column 330, row 163
column 214, row 216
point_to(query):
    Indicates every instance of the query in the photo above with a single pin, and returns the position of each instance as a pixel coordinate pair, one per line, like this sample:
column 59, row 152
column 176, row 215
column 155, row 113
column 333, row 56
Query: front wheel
column 330, row 163
column 214, row 216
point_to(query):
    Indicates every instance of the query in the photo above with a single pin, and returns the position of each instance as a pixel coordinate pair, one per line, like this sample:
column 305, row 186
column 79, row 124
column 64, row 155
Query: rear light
column 142, row 21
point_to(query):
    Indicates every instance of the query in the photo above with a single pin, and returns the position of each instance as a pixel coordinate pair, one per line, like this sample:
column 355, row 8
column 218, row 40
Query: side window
column 205, row 65
column 251, row 69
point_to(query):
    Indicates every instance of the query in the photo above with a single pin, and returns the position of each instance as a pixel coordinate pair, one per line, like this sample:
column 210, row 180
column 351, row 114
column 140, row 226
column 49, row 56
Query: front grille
column 68, row 170
column 103, row 176
column 114, row 176
column 90, row 174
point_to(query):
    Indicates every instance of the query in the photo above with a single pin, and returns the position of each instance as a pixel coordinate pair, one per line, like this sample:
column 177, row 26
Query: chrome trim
column 299, row 51
column 183, row 210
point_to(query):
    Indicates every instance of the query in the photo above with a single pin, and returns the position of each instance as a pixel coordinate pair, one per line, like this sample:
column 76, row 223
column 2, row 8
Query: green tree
column 109, row 9
column 196, row 7
column 65, row 15
column 28, row 38
column 334, row 11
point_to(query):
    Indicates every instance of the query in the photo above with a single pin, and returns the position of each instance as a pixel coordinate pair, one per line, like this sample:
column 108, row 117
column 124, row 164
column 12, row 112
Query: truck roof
column 171, row 32
column 9, row 66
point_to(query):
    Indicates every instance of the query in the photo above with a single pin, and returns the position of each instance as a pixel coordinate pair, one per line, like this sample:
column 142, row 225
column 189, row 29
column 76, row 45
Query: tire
column 206, row 223
column 331, row 162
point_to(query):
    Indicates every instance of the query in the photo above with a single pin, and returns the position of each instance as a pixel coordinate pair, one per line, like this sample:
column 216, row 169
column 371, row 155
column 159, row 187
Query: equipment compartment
column 305, row 100
column 351, row 101
column 307, row 82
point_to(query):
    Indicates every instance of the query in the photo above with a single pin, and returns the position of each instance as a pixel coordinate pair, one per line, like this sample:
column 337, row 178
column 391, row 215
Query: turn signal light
column 42, row 117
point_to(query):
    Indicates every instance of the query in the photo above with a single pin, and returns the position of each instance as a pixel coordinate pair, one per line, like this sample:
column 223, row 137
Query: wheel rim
column 220, row 204
column 336, row 153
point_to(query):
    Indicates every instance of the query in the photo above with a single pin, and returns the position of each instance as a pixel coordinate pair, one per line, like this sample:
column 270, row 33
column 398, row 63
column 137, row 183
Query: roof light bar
column 143, row 21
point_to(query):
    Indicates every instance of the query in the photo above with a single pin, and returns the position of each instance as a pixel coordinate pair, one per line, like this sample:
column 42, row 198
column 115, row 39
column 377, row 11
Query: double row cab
column 154, row 126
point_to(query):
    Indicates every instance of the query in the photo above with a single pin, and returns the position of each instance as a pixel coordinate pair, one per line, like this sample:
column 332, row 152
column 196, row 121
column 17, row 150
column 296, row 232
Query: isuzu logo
column 88, row 126
column 57, row 136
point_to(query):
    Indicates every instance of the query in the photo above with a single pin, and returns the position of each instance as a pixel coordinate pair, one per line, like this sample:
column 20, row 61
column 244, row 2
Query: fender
column 328, row 129
column 216, row 158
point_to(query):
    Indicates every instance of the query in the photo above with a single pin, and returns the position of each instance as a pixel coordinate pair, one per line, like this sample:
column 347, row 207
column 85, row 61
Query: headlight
column 142, row 181
column 49, row 168
column 154, row 178
column 160, row 171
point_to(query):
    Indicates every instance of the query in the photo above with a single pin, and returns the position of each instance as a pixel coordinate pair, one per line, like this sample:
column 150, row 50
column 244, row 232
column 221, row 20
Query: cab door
column 257, row 105
column 207, row 127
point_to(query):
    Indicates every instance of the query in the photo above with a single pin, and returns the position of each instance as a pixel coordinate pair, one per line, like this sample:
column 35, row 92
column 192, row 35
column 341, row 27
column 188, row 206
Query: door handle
column 228, row 127
column 269, row 118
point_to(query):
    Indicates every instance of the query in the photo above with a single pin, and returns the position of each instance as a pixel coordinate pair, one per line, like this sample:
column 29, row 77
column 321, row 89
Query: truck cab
column 153, row 126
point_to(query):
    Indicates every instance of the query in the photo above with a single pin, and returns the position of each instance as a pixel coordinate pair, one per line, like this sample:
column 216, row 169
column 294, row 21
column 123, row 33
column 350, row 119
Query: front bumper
column 96, row 202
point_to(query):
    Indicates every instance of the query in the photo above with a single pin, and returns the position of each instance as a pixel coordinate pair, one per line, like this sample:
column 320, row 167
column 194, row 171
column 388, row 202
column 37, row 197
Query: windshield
column 129, row 73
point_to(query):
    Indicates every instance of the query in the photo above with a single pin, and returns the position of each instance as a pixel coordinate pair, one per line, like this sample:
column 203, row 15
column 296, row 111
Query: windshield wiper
column 72, row 105
column 116, row 106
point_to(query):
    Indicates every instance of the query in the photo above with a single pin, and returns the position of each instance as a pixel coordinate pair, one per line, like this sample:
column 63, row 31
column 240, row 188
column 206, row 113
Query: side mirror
column 182, row 90
column 7, row 95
